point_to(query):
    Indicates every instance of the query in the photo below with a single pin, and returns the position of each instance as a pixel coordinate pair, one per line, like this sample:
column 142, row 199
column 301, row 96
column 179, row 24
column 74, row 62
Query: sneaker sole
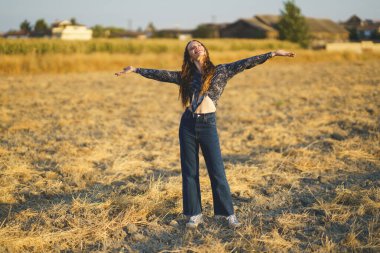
column 235, row 226
column 191, row 225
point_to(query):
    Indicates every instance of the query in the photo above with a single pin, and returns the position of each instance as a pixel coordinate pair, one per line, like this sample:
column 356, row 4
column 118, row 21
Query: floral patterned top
column 223, row 72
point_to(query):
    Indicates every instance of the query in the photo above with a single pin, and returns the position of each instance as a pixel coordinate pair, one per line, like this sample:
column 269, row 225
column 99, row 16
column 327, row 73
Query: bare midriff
column 206, row 106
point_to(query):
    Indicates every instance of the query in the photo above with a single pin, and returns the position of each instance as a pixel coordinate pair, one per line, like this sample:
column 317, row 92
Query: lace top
column 223, row 72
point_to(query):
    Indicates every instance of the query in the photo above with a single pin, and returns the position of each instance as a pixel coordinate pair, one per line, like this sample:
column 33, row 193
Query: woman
column 200, row 86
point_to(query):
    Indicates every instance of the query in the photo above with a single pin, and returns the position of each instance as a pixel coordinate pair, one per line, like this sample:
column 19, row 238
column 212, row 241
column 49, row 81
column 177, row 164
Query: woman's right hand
column 283, row 53
column 126, row 70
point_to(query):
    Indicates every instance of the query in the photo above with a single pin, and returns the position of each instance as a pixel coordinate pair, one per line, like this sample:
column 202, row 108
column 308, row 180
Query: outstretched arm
column 156, row 74
column 247, row 63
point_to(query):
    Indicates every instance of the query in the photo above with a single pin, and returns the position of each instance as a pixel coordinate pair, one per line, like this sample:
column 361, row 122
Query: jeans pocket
column 211, row 121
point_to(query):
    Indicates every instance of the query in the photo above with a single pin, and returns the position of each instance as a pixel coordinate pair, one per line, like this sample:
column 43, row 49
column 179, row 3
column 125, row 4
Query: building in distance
column 66, row 30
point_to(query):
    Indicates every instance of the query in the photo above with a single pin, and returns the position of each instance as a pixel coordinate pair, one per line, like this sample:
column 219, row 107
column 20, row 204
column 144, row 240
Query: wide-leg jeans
column 199, row 130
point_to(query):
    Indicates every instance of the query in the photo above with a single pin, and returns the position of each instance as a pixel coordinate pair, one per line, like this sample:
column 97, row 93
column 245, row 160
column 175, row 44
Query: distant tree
column 98, row 31
column 25, row 26
column 41, row 28
column 73, row 21
column 292, row 25
column 204, row 31
column 353, row 34
column 150, row 29
column 116, row 32
column 165, row 34
column 376, row 35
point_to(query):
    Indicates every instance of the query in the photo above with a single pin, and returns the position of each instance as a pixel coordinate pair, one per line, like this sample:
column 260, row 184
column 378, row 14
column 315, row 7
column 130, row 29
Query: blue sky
column 171, row 13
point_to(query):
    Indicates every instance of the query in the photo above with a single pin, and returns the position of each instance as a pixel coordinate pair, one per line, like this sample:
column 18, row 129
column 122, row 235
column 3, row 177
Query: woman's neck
column 198, row 65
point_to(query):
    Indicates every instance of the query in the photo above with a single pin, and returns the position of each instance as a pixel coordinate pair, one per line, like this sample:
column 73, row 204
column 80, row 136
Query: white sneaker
column 233, row 221
column 194, row 221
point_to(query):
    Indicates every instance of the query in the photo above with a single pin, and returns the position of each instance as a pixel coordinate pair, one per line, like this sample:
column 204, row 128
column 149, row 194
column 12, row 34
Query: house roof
column 64, row 23
column 215, row 25
column 254, row 22
column 315, row 24
column 370, row 27
column 270, row 20
column 324, row 25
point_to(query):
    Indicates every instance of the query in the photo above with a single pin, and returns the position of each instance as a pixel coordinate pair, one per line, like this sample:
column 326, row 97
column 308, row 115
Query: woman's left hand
column 284, row 53
column 126, row 70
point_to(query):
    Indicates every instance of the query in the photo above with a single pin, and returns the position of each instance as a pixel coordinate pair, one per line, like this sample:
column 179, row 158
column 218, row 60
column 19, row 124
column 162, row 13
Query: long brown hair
column 188, row 69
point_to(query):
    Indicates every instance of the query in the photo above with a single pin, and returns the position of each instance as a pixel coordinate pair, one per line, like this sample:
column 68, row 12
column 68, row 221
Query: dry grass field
column 90, row 162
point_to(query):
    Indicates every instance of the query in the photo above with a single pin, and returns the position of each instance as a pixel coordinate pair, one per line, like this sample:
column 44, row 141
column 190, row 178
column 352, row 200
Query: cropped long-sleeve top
column 223, row 72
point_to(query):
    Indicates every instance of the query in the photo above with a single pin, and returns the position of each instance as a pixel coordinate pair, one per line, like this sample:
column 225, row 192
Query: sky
column 163, row 14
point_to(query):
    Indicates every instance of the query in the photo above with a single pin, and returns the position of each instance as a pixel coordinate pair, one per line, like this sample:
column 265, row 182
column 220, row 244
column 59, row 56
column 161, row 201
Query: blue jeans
column 195, row 131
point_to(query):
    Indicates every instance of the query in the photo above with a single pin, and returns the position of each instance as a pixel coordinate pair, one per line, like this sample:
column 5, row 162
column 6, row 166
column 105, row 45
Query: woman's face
column 196, row 50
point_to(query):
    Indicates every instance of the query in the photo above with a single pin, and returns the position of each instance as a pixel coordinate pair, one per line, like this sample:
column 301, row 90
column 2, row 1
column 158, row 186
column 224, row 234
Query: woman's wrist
column 273, row 53
column 130, row 69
